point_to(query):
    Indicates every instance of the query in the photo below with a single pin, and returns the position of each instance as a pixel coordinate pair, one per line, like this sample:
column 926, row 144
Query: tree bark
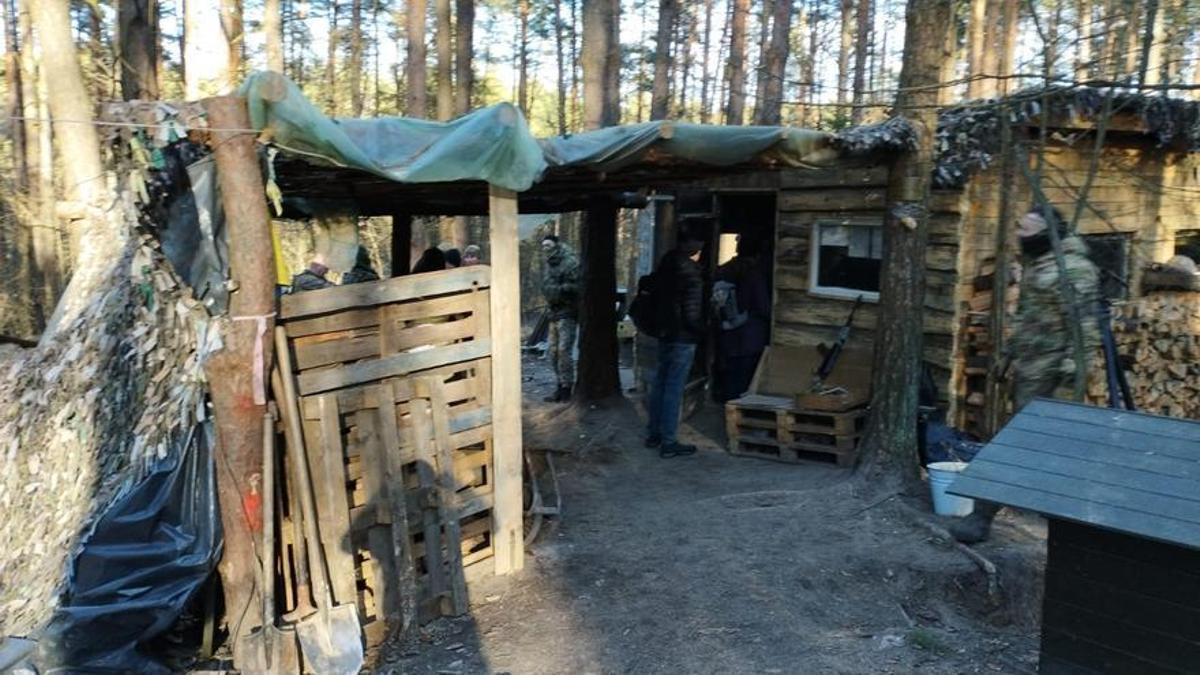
column 809, row 73
column 464, row 37
column 612, row 65
column 845, row 44
column 354, row 64
column 94, row 240
column 576, row 47
column 137, row 39
column 947, row 93
column 1008, row 45
column 660, row 93
column 15, row 87
column 331, row 60
column 1152, row 63
column 598, row 377
column 764, row 48
column 735, row 67
column 236, row 410
column 776, row 64
column 687, row 38
column 560, row 61
column 862, row 39
column 596, row 34
column 444, row 46
column 415, row 101
column 522, row 56
column 1083, row 49
column 889, row 446
column 977, row 33
column 233, row 29
column 705, row 81
column 273, row 34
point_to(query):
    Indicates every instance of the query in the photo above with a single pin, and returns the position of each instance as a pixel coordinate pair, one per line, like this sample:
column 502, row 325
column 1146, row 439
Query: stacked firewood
column 1158, row 337
column 979, row 343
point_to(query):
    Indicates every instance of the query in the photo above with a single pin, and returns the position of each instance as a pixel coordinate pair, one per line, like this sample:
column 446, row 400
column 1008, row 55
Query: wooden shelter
column 1120, row 491
column 822, row 227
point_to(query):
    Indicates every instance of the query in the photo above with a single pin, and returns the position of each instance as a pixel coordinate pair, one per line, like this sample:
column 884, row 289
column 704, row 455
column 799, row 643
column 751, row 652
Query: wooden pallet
column 772, row 427
column 396, row 404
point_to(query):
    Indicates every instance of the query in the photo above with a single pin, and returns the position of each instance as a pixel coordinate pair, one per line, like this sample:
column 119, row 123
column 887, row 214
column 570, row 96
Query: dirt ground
column 720, row 564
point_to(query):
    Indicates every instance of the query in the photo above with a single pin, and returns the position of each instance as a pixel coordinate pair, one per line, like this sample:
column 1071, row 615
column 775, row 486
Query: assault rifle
column 832, row 354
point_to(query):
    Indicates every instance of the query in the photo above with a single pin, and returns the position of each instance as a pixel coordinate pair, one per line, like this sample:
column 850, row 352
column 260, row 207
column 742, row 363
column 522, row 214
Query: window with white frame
column 847, row 256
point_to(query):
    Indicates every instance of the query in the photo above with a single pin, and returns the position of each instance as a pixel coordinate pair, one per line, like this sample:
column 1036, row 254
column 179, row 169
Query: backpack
column 648, row 304
column 725, row 306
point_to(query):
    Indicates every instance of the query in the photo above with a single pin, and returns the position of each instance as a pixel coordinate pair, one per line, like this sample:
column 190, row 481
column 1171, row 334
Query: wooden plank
column 405, row 598
column 507, row 528
column 316, row 381
column 329, row 482
column 333, row 299
column 349, row 319
column 422, row 435
column 393, row 340
column 833, row 199
column 873, row 176
column 429, row 308
column 371, row 462
column 353, row 347
column 360, row 397
column 1152, row 425
column 447, row 488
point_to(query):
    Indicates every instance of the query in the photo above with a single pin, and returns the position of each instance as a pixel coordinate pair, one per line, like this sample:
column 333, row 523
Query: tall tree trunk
column 594, row 60
column 137, row 47
column 233, row 29
column 947, row 93
column 660, row 93
column 1008, row 45
column 597, row 377
column 464, row 37
column 576, row 47
column 560, row 62
column 776, row 65
column 705, row 80
column 15, row 88
column 1157, row 43
column 993, row 39
column 764, row 48
column 1083, row 48
column 687, row 38
column 1051, row 53
column 977, row 34
column 94, row 241
column 844, row 46
column 1132, row 40
column 444, row 46
column 354, row 64
column 522, row 55
column 862, row 39
column 415, row 102
column 273, row 34
column 331, row 59
column 735, row 67
column 612, row 66
column 889, row 446
column 809, row 73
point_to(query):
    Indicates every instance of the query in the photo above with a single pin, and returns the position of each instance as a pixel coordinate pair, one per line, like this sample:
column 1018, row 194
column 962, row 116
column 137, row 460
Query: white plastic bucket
column 941, row 475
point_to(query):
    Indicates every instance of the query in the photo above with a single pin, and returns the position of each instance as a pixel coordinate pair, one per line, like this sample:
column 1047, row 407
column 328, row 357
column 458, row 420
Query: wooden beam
column 507, row 517
column 237, row 377
column 401, row 243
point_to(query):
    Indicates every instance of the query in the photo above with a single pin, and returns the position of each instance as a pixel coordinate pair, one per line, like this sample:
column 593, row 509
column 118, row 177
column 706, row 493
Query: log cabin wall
column 1142, row 193
column 854, row 192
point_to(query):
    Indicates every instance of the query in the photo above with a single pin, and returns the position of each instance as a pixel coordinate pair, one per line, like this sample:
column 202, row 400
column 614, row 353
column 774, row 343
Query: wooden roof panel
column 1124, row 471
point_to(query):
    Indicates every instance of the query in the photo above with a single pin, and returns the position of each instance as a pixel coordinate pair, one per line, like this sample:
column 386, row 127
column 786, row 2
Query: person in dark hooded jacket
column 682, row 328
column 741, row 342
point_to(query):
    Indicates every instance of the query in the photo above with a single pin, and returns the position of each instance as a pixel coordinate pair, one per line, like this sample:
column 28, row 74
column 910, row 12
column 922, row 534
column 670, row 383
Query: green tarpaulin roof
column 494, row 144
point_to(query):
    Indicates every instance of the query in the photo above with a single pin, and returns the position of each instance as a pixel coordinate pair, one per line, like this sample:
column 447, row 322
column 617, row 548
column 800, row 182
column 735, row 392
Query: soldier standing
column 560, row 286
column 1041, row 348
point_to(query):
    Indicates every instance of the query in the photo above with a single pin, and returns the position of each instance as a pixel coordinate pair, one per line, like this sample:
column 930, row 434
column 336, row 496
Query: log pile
column 1158, row 337
column 979, row 344
column 85, row 416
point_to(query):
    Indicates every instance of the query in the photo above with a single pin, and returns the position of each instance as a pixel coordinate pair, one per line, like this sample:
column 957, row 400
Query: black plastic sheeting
column 148, row 554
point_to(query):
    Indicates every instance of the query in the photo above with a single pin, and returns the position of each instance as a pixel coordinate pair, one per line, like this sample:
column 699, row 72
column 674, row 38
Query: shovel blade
column 332, row 641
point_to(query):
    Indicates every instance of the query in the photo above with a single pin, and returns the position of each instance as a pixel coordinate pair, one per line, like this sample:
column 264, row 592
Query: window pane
column 1188, row 243
column 1110, row 254
column 850, row 257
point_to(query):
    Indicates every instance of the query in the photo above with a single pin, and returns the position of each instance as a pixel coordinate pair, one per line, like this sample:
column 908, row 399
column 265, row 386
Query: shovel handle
column 297, row 455
column 268, row 514
column 304, row 605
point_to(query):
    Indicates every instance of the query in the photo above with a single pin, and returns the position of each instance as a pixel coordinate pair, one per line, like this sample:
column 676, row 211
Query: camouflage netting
column 86, row 415
column 968, row 136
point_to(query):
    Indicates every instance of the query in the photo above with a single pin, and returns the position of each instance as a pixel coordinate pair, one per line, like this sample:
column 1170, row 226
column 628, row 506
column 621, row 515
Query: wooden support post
column 665, row 229
column 401, row 243
column 507, row 527
column 238, row 373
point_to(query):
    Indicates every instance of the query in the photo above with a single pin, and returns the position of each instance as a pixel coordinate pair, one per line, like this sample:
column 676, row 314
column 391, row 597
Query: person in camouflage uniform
column 1041, row 348
column 560, row 286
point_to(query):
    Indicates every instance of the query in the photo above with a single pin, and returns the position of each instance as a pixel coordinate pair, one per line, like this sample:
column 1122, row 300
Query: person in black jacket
column 740, row 342
column 682, row 330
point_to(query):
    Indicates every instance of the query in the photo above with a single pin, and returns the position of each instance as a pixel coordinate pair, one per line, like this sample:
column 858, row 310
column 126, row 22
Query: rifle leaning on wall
column 831, row 356
column 1119, row 395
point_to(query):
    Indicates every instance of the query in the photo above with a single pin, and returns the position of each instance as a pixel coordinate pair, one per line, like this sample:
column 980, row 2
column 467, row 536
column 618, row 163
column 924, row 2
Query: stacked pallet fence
column 778, row 419
column 389, row 374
